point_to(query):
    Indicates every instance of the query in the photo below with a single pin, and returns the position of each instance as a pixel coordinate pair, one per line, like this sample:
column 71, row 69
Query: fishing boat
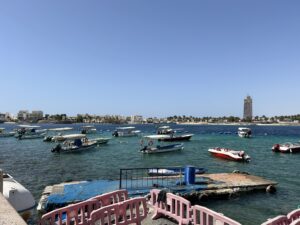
column 230, row 154
column 58, row 134
column 18, row 196
column 287, row 148
column 244, row 132
column 29, row 132
column 88, row 129
column 150, row 145
column 126, row 132
column 172, row 171
column 3, row 133
column 74, row 143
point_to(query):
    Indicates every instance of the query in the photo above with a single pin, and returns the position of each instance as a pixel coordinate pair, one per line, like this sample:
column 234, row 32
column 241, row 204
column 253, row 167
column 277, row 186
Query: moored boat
column 18, row 196
column 244, row 132
column 183, row 137
column 74, row 143
column 88, row 129
column 165, row 130
column 230, row 154
column 150, row 145
column 29, row 132
column 287, row 148
column 101, row 140
column 58, row 134
column 126, row 132
column 3, row 133
column 172, row 171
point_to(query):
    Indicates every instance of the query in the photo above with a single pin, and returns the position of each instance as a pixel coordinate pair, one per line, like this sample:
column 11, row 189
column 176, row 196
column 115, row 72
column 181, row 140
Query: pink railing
column 203, row 216
column 175, row 207
column 294, row 215
column 130, row 211
column 79, row 213
column 296, row 222
column 285, row 220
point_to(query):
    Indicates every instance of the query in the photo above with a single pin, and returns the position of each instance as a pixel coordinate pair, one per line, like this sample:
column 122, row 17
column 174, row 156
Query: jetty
column 138, row 183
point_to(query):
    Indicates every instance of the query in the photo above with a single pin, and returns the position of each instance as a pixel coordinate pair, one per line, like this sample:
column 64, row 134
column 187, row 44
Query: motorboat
column 18, row 196
column 287, row 148
column 100, row 140
column 74, row 143
column 244, row 132
column 150, row 145
column 165, row 130
column 88, row 129
column 173, row 137
column 3, row 133
column 58, row 134
column 126, row 132
column 230, row 154
column 172, row 171
column 30, row 132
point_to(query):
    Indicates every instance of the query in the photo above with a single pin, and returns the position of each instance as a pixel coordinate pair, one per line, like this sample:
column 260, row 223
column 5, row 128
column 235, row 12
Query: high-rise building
column 248, row 108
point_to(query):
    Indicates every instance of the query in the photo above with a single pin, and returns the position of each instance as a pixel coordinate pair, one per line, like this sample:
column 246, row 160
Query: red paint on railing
column 294, row 215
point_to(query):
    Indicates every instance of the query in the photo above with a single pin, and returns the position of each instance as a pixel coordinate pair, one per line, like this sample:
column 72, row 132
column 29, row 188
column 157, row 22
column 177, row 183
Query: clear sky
column 154, row 58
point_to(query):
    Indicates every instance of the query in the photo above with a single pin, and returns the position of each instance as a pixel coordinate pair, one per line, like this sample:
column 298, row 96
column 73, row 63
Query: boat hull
column 186, row 137
column 229, row 154
column 168, row 148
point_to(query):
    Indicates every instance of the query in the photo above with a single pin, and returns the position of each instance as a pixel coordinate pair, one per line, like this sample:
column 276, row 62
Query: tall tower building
column 248, row 108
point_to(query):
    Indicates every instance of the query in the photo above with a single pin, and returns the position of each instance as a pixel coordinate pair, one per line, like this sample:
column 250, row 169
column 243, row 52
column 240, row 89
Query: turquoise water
column 33, row 165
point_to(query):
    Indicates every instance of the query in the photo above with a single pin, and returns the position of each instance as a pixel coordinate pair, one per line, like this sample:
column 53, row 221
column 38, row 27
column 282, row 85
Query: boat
column 287, row 148
column 165, row 130
column 3, row 133
column 230, row 154
column 88, row 129
column 29, row 132
column 74, row 143
column 126, row 132
column 244, row 132
column 18, row 196
column 147, row 144
column 58, row 134
column 173, row 137
column 101, row 140
column 172, row 171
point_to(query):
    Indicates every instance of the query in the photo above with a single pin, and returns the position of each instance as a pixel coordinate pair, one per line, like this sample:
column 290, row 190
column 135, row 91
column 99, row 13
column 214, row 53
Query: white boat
column 88, row 129
column 287, row 148
column 3, row 133
column 30, row 132
column 165, row 130
column 18, row 196
column 125, row 132
column 74, row 143
column 100, row 140
column 58, row 134
column 244, row 132
column 230, row 154
column 151, row 145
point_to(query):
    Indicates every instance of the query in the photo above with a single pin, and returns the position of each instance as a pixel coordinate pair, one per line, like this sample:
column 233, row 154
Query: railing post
column 1, row 181
column 120, row 181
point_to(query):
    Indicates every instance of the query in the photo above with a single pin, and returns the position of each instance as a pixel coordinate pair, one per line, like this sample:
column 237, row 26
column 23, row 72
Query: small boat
column 29, row 132
column 165, row 130
column 74, row 143
column 172, row 171
column 244, row 132
column 57, row 134
column 3, row 133
column 230, row 154
column 125, row 132
column 100, row 140
column 287, row 148
column 149, row 147
column 88, row 129
column 18, row 196
column 183, row 137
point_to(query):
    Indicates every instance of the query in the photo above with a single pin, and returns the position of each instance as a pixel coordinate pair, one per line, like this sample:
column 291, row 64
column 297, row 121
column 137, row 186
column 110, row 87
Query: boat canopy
column 61, row 129
column 164, row 127
column 125, row 128
column 74, row 136
column 88, row 126
column 244, row 128
column 157, row 136
column 28, row 126
column 2, row 128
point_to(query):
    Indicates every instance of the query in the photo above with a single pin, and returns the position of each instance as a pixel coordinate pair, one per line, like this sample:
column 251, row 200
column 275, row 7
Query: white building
column 136, row 119
column 23, row 115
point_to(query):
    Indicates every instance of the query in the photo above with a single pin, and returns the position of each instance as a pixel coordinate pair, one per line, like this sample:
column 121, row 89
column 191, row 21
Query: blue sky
column 154, row 58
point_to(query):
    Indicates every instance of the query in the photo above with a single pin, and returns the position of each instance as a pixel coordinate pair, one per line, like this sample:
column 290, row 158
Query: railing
column 203, row 216
column 79, row 213
column 175, row 207
column 130, row 211
column 292, row 218
column 180, row 209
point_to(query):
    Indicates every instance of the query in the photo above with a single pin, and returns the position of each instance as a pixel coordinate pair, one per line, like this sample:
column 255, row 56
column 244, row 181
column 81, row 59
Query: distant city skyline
column 146, row 58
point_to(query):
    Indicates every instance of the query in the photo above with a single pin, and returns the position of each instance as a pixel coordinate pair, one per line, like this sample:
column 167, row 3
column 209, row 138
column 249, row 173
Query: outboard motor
column 57, row 148
column 115, row 134
column 48, row 139
column 83, row 131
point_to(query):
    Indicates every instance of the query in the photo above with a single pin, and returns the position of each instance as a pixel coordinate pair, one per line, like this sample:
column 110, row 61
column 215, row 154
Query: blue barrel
column 189, row 175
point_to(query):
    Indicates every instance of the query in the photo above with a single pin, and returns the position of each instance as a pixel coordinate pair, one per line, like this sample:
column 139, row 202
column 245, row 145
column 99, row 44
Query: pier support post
column 189, row 175
column 1, row 181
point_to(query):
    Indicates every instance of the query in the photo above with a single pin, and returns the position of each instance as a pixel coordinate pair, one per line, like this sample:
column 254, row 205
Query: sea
column 32, row 163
